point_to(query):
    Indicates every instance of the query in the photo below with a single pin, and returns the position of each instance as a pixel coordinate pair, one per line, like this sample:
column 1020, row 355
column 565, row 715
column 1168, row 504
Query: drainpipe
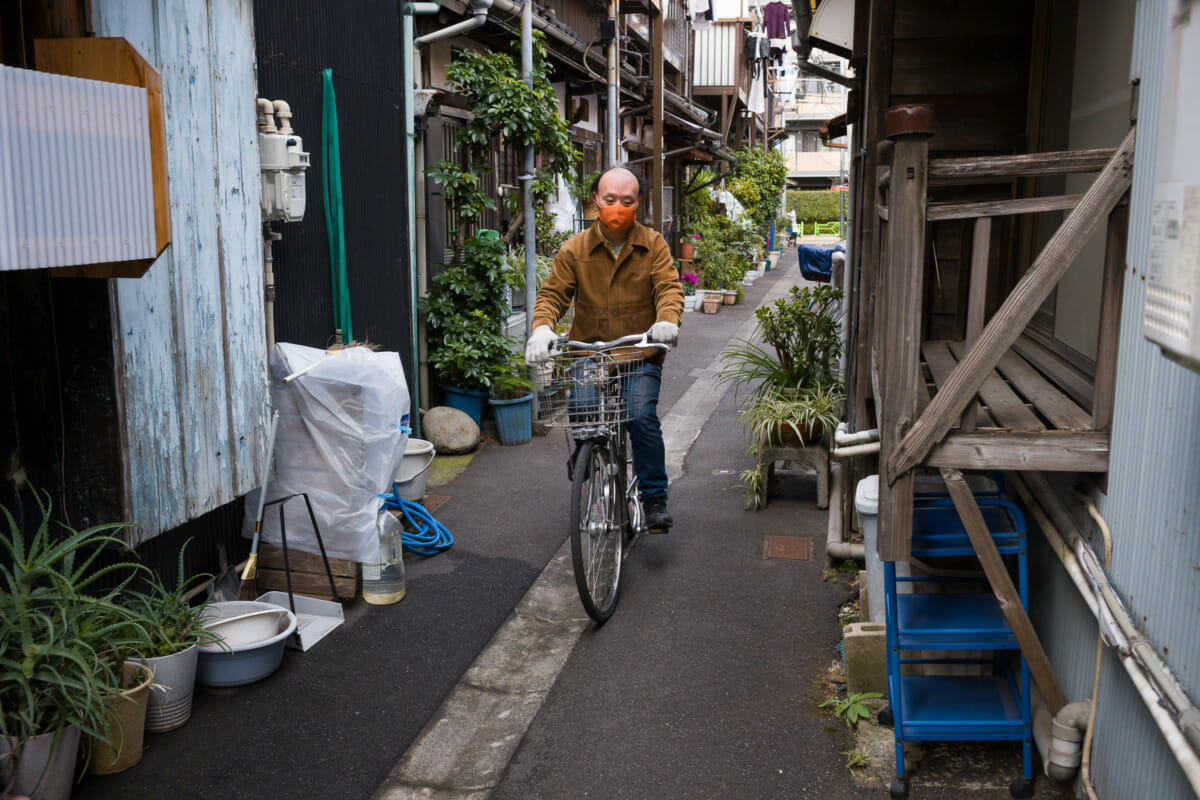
column 835, row 549
column 1176, row 716
column 529, row 173
column 614, row 79
column 479, row 8
column 408, row 77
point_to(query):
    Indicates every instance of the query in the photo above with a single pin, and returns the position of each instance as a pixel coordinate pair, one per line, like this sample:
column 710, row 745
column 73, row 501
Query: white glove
column 665, row 332
column 537, row 349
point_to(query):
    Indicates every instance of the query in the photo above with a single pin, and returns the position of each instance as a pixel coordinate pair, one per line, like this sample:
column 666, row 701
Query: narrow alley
column 705, row 684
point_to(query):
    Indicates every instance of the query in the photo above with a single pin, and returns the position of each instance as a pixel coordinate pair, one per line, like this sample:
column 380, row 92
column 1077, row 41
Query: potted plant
column 688, row 281
column 468, row 304
column 793, row 380
column 63, row 647
column 175, row 630
column 466, row 309
column 512, row 400
column 687, row 246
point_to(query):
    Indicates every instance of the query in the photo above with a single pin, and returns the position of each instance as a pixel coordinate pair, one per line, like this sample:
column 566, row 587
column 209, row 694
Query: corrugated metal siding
column 716, row 53
column 1151, row 506
column 75, row 154
column 295, row 42
column 191, row 367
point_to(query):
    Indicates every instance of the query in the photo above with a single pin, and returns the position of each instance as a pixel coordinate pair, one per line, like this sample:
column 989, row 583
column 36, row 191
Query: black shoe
column 658, row 519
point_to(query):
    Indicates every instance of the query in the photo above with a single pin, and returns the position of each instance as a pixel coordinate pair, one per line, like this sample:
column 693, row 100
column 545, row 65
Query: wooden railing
column 913, row 425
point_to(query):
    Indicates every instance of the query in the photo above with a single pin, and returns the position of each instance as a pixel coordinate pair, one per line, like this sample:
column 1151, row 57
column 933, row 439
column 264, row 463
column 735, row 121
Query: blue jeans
column 645, row 433
column 645, row 430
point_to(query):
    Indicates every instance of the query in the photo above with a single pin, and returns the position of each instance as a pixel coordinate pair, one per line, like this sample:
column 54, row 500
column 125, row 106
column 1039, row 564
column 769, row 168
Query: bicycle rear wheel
column 596, row 535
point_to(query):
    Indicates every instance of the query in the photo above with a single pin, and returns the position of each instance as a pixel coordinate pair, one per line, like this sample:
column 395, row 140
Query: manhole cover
column 433, row 502
column 794, row 548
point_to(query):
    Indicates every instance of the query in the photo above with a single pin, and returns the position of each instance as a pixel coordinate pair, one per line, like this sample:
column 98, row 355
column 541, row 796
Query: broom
column 249, row 588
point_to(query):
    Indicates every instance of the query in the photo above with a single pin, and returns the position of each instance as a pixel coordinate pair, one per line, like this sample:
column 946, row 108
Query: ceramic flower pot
column 126, row 724
column 730, row 297
column 712, row 303
column 687, row 251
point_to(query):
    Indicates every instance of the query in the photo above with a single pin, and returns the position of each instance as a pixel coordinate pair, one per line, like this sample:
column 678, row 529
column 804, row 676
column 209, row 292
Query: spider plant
column 808, row 413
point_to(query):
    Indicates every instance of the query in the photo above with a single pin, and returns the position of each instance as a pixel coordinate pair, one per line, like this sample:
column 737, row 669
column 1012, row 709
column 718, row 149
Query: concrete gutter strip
column 463, row 754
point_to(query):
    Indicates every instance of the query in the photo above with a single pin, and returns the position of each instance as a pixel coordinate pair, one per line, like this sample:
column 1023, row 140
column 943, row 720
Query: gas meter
column 281, row 154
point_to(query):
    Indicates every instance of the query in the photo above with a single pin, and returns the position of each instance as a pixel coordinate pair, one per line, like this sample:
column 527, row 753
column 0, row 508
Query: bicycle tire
column 596, row 530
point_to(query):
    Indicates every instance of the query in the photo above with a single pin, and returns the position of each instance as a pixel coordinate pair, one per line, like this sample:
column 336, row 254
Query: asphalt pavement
column 705, row 683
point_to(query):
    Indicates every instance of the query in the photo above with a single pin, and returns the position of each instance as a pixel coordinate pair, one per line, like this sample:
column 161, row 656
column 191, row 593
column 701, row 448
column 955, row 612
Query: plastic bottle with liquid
column 383, row 579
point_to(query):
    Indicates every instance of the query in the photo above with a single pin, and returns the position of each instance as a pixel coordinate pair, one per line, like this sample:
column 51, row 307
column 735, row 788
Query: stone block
column 865, row 649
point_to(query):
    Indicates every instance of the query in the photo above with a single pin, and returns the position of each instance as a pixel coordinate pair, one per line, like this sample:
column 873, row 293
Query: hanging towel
column 756, row 103
column 331, row 184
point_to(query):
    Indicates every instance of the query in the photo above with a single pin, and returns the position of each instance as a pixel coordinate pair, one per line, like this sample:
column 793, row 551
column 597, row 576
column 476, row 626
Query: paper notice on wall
column 1189, row 241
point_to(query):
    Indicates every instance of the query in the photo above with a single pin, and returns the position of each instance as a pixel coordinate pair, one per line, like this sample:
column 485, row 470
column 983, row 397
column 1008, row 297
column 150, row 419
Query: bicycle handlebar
column 634, row 340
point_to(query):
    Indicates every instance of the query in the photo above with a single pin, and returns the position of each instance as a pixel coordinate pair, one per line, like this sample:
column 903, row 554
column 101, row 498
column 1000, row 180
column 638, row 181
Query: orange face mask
column 616, row 218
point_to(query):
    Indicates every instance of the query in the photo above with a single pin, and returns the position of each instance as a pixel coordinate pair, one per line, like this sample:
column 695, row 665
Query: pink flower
column 688, row 277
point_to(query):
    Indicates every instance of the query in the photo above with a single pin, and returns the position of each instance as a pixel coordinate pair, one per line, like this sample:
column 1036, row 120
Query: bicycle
column 587, row 392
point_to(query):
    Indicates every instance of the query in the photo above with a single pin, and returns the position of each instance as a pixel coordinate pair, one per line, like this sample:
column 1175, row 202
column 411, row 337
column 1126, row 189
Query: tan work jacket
column 612, row 298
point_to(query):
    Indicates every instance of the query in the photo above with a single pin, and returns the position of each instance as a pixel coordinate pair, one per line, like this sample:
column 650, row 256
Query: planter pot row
column 514, row 418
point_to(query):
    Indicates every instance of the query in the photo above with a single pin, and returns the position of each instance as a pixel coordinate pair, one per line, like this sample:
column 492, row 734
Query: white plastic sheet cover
column 341, row 438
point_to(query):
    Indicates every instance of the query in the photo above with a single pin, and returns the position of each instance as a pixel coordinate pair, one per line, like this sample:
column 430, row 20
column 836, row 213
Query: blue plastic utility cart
column 977, row 707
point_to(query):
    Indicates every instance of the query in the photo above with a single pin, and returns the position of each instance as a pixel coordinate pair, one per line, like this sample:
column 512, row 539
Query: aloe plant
column 62, row 637
column 173, row 623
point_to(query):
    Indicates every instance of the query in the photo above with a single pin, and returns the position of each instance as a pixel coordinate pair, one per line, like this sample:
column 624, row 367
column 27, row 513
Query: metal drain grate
column 793, row 548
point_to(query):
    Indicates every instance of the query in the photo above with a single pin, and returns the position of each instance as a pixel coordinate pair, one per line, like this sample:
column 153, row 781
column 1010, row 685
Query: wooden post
column 876, row 99
column 910, row 128
column 1010, row 599
column 1110, row 317
column 976, row 301
column 1009, row 322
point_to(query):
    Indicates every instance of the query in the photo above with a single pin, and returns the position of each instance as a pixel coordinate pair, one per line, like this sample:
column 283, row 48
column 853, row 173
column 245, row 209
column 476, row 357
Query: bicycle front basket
column 583, row 389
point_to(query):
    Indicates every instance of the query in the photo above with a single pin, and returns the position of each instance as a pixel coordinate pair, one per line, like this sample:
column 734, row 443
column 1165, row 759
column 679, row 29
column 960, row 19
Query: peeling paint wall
column 189, row 335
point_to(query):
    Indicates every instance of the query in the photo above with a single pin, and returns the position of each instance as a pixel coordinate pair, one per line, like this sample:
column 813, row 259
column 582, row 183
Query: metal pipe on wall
column 527, row 175
column 614, row 82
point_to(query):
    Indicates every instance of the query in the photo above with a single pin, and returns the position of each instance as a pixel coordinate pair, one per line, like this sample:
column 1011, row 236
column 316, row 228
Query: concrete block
column 865, row 649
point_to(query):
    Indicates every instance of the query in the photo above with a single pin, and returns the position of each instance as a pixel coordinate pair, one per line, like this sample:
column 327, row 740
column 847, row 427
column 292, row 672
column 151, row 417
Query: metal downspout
column 410, row 161
column 528, row 173
column 614, row 102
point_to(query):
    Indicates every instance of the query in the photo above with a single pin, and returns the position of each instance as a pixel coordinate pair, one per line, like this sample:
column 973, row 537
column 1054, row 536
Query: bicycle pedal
column 664, row 529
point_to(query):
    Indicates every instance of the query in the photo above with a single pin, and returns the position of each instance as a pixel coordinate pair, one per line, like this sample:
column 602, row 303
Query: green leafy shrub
column 816, row 206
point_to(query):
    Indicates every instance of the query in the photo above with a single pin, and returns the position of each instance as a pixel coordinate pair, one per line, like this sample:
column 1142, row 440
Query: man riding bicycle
column 623, row 281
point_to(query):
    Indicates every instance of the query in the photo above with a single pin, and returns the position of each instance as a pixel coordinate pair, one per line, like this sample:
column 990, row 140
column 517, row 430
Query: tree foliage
column 757, row 182
column 468, row 305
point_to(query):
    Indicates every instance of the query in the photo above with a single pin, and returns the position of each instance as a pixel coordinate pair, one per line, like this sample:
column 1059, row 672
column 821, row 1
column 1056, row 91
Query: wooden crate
column 308, row 573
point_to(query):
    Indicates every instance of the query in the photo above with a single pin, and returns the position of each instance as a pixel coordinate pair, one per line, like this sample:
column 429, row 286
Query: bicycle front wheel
column 596, row 535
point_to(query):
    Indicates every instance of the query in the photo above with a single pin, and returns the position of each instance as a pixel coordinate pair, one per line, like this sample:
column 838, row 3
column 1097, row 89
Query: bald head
column 617, row 182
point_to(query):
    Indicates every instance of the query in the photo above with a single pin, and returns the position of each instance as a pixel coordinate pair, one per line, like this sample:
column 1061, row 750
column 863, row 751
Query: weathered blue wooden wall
column 189, row 335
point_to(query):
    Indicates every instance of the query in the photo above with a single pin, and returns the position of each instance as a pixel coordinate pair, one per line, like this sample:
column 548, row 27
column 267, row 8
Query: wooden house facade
column 994, row 305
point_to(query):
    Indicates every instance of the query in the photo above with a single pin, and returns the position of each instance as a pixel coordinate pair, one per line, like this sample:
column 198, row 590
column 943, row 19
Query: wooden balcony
column 986, row 402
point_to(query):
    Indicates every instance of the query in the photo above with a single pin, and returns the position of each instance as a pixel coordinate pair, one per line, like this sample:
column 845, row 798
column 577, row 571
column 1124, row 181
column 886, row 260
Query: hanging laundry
column 776, row 20
column 756, row 102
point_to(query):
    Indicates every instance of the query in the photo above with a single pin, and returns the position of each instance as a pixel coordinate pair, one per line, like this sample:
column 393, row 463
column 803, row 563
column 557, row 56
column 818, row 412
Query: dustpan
column 315, row 619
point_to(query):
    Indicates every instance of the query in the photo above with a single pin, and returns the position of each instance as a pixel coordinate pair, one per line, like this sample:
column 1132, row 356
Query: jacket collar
column 640, row 236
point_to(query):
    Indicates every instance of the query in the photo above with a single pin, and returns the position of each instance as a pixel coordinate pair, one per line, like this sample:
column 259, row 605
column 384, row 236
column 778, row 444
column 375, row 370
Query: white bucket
column 410, row 480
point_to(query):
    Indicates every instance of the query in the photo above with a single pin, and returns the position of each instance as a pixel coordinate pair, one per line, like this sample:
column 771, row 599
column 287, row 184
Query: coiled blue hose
column 430, row 537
